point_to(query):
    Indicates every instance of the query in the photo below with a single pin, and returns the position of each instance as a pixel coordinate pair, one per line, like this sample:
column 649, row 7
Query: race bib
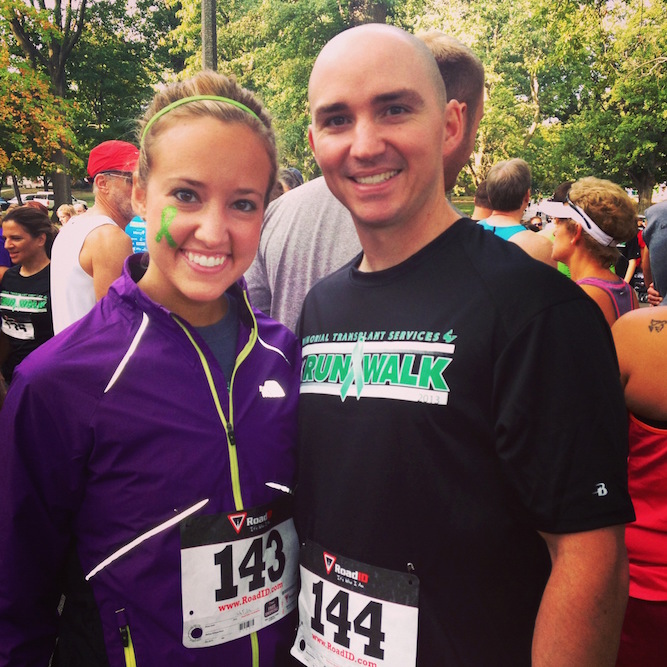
column 238, row 573
column 351, row 613
column 19, row 330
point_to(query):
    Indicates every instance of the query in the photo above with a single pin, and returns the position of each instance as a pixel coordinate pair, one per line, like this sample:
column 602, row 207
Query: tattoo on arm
column 657, row 325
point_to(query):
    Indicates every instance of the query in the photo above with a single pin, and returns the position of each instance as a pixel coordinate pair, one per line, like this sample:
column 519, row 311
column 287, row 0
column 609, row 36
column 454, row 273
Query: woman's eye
column 245, row 205
column 185, row 196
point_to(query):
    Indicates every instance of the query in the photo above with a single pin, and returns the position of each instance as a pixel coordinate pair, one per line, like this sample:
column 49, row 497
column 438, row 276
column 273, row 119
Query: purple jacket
column 111, row 430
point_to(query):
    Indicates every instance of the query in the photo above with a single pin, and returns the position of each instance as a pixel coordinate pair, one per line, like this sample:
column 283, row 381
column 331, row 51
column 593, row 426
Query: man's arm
column 103, row 254
column 632, row 267
column 646, row 266
column 581, row 613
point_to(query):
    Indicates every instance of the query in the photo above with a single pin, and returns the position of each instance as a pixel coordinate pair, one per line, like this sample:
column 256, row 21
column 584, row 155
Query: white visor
column 556, row 209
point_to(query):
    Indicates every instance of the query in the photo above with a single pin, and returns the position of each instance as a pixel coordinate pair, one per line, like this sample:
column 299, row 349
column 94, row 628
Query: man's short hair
column 482, row 196
column 507, row 184
column 460, row 69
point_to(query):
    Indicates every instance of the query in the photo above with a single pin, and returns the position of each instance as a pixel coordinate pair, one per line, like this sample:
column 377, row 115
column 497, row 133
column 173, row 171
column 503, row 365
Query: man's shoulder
column 302, row 204
column 656, row 217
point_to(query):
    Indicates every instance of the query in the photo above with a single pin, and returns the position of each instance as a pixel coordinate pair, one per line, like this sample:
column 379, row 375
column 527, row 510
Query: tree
column 99, row 53
column 626, row 123
column 47, row 37
column 33, row 121
column 111, row 72
column 270, row 46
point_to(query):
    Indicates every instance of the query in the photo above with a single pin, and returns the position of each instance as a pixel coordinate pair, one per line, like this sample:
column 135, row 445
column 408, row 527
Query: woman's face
column 63, row 217
column 21, row 246
column 203, row 204
column 562, row 246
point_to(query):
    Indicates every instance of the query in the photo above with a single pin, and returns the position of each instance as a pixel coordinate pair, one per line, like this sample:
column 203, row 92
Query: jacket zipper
column 229, row 425
column 126, row 639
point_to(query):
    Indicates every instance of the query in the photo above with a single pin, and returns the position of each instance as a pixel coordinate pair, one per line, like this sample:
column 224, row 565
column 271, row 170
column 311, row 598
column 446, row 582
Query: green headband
column 194, row 98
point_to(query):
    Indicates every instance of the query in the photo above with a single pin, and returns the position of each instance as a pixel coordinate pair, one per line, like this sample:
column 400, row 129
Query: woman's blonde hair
column 610, row 208
column 206, row 83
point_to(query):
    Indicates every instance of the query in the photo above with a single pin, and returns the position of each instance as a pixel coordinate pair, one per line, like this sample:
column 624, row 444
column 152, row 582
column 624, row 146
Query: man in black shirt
column 446, row 517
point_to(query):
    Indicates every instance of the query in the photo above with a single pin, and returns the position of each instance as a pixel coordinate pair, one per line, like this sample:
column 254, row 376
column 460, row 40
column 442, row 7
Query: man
column 89, row 251
column 483, row 208
column 508, row 189
column 445, row 518
column 307, row 233
column 655, row 252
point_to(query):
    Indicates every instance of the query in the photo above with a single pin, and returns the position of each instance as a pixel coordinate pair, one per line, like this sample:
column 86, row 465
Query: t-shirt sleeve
column 259, row 289
column 561, row 426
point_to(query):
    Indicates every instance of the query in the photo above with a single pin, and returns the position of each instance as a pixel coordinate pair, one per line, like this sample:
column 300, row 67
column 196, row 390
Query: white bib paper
column 238, row 573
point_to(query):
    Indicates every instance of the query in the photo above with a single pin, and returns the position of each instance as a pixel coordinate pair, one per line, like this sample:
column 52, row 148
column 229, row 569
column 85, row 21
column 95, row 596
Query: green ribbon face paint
column 168, row 215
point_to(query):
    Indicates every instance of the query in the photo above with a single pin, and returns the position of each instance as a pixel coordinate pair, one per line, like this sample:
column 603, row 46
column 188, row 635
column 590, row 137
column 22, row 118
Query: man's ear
column 454, row 133
column 138, row 198
column 311, row 142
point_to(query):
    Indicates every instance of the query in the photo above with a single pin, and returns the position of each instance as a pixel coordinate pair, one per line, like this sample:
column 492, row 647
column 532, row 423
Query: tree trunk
column 367, row 11
column 62, row 189
column 644, row 182
column 17, row 190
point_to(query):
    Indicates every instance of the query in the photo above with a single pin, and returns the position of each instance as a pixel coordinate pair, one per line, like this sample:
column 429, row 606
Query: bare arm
column 632, row 265
column 646, row 266
column 103, row 254
column 538, row 247
column 581, row 613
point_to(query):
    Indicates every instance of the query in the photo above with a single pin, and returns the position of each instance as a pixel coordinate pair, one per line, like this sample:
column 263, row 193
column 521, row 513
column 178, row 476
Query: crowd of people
column 334, row 422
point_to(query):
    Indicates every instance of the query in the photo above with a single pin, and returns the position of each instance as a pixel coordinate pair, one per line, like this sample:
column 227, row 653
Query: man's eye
column 396, row 110
column 335, row 121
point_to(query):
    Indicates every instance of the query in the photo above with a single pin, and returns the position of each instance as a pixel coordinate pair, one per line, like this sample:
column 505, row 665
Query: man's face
column 120, row 194
column 377, row 128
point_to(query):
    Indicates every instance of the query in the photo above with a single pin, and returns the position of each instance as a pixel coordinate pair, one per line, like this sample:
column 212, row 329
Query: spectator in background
column 288, row 179
column 597, row 216
column 89, row 252
column 483, row 208
column 25, row 302
column 79, row 208
column 65, row 212
column 655, row 253
column 641, row 346
column 508, row 190
column 5, row 261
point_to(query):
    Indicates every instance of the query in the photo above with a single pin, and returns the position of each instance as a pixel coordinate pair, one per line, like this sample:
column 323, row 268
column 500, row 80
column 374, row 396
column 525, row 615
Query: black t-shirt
column 25, row 309
column 451, row 407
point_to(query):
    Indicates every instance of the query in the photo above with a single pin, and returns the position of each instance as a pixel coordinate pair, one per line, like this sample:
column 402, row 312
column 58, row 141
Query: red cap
column 112, row 156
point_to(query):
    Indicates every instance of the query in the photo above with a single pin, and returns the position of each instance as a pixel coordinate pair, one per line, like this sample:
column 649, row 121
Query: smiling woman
column 25, row 296
column 169, row 412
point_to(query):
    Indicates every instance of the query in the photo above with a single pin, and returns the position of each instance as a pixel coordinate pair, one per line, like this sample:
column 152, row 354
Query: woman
column 25, row 301
column 65, row 212
column 641, row 344
column 162, row 462
column 597, row 216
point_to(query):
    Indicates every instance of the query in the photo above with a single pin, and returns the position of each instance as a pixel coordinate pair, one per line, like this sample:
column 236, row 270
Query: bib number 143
column 252, row 566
